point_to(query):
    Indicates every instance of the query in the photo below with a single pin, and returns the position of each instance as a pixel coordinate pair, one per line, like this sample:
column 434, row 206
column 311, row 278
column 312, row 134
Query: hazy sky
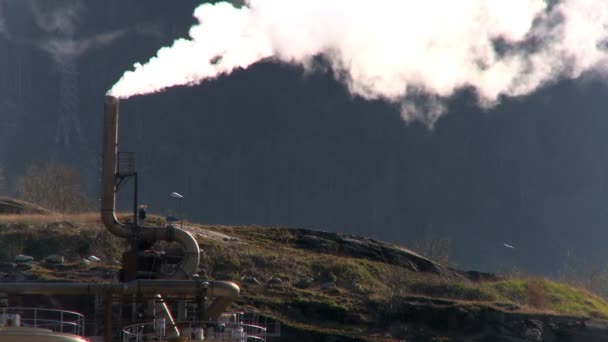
column 303, row 138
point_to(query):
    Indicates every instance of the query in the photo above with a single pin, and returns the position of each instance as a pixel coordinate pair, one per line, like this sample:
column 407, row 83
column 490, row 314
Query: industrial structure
column 156, row 299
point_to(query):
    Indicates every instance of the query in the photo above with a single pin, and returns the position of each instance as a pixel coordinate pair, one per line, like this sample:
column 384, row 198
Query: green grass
column 465, row 291
column 267, row 252
column 526, row 294
column 364, row 287
column 547, row 295
column 63, row 238
column 575, row 301
column 509, row 291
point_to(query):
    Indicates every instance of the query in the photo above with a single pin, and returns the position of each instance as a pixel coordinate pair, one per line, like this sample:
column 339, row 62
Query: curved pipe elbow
column 224, row 289
column 109, row 220
column 189, row 265
column 225, row 294
column 192, row 252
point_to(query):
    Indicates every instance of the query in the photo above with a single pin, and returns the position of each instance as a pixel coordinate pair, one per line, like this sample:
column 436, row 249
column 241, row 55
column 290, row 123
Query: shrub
column 434, row 247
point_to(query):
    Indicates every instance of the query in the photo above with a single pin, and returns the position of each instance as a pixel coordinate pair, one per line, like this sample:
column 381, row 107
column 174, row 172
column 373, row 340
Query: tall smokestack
column 109, row 168
column 189, row 265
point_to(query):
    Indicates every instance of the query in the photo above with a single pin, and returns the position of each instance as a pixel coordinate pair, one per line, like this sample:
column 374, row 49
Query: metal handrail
column 250, row 332
column 71, row 322
column 126, row 163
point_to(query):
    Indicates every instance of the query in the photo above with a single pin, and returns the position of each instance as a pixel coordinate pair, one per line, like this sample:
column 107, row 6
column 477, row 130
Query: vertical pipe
column 135, row 216
column 189, row 265
column 108, row 317
column 135, row 231
column 181, row 214
column 200, row 306
column 181, row 311
column 109, row 168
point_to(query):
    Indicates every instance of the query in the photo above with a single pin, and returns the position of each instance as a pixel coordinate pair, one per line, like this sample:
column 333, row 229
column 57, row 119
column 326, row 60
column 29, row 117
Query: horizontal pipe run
column 152, row 287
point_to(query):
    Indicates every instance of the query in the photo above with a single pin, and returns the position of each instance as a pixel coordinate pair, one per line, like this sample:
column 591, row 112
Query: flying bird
column 508, row 246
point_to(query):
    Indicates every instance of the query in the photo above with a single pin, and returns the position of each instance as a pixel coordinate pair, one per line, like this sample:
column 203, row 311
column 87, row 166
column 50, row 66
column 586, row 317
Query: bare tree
column 433, row 246
column 54, row 186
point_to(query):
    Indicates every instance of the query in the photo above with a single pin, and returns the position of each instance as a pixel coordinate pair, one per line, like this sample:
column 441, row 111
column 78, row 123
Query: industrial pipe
column 152, row 287
column 189, row 264
column 224, row 292
column 161, row 310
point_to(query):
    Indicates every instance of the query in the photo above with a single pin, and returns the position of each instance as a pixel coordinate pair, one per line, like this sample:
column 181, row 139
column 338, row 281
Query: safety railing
column 126, row 163
column 211, row 331
column 61, row 321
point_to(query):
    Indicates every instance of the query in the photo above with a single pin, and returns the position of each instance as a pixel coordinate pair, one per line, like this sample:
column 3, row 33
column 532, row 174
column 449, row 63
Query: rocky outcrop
column 14, row 206
column 418, row 318
column 362, row 247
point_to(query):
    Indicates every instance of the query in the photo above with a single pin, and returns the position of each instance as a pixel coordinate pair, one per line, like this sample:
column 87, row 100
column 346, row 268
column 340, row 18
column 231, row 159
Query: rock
column 14, row 206
column 533, row 334
column 23, row 258
column 54, row 259
column 533, row 330
column 361, row 247
column 315, row 243
column 598, row 324
column 275, row 281
column 93, row 258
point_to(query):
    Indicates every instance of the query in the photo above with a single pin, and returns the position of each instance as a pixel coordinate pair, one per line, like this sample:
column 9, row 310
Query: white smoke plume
column 413, row 53
column 57, row 25
column 56, row 17
column 3, row 26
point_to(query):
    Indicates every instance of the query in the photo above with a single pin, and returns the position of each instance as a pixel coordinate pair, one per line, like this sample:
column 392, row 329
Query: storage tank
column 28, row 334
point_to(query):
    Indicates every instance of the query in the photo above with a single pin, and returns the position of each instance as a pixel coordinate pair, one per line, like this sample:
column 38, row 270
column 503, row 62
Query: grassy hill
column 328, row 284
